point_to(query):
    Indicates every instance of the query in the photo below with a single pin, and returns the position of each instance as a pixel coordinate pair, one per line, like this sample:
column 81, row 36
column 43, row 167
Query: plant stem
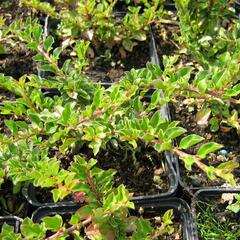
column 70, row 230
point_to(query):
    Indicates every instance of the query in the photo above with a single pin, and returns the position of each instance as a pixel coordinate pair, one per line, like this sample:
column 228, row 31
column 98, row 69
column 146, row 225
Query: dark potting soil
column 112, row 69
column 175, row 235
column 121, row 6
column 17, row 60
column 156, row 222
column 14, row 204
column 230, row 140
column 142, row 174
column 214, row 221
column 165, row 33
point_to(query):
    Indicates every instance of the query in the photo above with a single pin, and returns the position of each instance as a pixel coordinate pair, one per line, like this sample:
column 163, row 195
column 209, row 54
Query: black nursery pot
column 208, row 194
column 29, row 191
column 180, row 209
column 12, row 221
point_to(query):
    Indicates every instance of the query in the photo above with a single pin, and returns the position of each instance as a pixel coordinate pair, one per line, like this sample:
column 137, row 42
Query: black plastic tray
column 169, row 158
column 207, row 192
column 180, row 207
column 29, row 191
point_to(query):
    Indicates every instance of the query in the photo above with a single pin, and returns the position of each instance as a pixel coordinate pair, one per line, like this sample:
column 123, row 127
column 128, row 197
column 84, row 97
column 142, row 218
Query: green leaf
column 174, row 132
column 202, row 86
column 48, row 43
column 210, row 172
column 56, row 194
column 57, row 51
column 214, row 124
column 144, row 229
column 96, row 147
column 138, row 105
column 140, row 35
column 208, row 148
column 155, row 97
column 162, row 147
column 167, row 217
column 228, row 166
column 53, row 223
column 128, row 44
column 34, row 118
column 12, row 126
column 218, row 79
column 2, row 50
column 66, row 113
column 156, row 119
column 37, row 33
column 82, row 187
column 235, row 207
column 48, row 68
column 31, row 230
column 67, row 142
column 97, row 98
column 38, row 58
column 189, row 141
column 75, row 218
column 184, row 72
column 8, row 233
column 188, row 161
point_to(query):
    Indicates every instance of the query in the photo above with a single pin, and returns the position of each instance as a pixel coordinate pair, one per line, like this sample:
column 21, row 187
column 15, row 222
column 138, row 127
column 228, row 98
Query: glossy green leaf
column 53, row 223
column 32, row 230
column 174, row 132
column 189, row 141
column 208, row 148
column 48, row 43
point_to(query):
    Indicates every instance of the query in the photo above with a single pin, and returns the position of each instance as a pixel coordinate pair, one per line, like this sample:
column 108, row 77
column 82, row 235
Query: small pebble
column 158, row 171
column 197, row 182
column 209, row 136
column 223, row 152
column 235, row 159
column 221, row 158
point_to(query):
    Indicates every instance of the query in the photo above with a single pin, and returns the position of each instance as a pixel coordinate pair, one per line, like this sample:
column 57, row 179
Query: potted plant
column 216, row 213
column 105, row 211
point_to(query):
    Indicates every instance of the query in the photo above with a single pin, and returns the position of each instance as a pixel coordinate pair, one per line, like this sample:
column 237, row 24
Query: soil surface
column 156, row 222
column 18, row 59
column 214, row 221
column 230, row 141
column 111, row 70
column 177, row 233
column 143, row 173
column 165, row 34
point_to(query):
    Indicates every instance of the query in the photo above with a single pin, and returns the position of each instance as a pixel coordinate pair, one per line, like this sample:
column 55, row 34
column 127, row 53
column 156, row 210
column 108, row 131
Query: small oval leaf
column 208, row 148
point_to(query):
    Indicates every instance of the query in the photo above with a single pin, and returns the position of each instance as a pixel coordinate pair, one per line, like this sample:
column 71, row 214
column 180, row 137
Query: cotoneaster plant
column 104, row 213
column 235, row 206
column 40, row 128
column 213, row 92
column 208, row 29
column 95, row 21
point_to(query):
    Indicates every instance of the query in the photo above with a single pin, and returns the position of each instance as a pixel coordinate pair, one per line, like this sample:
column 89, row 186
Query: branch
column 69, row 230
